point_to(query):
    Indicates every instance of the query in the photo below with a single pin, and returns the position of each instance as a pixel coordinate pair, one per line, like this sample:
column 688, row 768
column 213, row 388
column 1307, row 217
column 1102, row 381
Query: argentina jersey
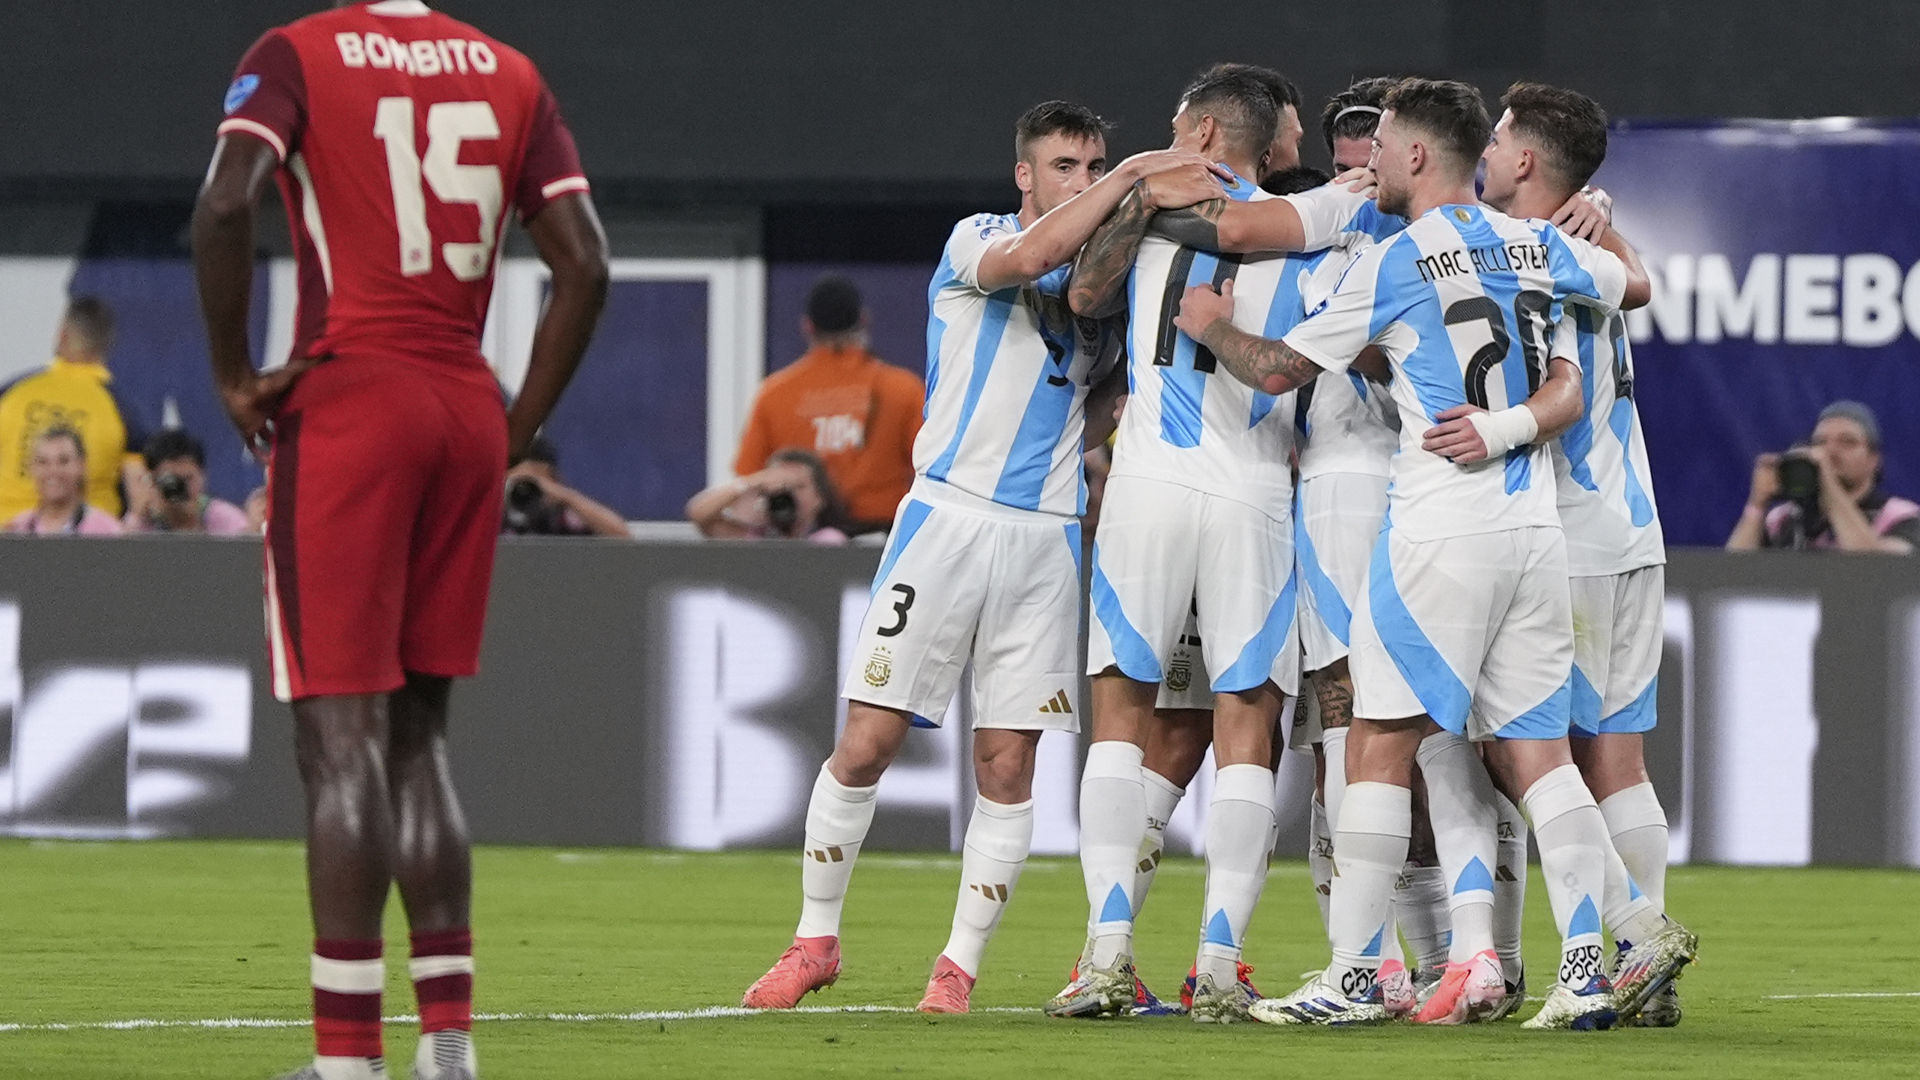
column 1345, row 423
column 1600, row 463
column 1007, row 377
column 1189, row 421
column 1464, row 304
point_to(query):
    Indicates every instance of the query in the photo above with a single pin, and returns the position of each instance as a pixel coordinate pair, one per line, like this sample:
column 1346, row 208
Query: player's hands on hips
column 1201, row 307
column 252, row 402
column 1455, row 438
column 1586, row 214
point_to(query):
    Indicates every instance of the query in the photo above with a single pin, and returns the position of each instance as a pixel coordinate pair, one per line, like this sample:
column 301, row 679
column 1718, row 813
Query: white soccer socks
column 1369, row 847
column 1239, row 840
column 1333, row 792
column 1162, row 797
column 1573, row 852
column 1420, row 908
column 838, row 818
column 1639, row 829
column 1320, row 855
column 1460, row 803
column 1510, row 890
column 998, row 839
column 1113, row 820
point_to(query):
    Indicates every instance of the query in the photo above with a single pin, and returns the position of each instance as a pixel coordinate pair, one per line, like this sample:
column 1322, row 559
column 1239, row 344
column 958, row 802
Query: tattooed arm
column 1265, row 364
column 1224, row 225
column 1102, row 266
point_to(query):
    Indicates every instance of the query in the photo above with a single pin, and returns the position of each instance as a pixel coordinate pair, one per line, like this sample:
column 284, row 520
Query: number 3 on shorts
column 900, row 609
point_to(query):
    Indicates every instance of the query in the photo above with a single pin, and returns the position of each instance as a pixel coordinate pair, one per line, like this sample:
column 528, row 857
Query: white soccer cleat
column 1097, row 991
column 1320, row 1003
column 1650, row 965
column 1590, row 1008
column 1214, row 1003
column 1662, row 1010
column 1510, row 1003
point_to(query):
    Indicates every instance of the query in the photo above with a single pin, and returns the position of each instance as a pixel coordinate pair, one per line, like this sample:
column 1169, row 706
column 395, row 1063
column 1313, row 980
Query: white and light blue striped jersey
column 1007, row 378
column 1189, row 421
column 1600, row 463
column 1332, row 216
column 1464, row 303
column 1346, row 424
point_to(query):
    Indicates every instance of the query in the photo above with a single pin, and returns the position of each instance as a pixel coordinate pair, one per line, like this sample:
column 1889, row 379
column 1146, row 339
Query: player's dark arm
column 1222, row 225
column 1102, row 266
column 1265, row 364
column 1639, row 285
column 223, row 268
column 568, row 236
column 1103, row 400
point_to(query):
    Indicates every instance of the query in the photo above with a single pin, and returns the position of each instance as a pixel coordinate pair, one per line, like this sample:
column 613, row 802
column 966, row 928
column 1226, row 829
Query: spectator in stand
column 75, row 392
column 855, row 412
column 171, row 494
column 792, row 498
column 58, row 465
column 539, row 504
column 1826, row 495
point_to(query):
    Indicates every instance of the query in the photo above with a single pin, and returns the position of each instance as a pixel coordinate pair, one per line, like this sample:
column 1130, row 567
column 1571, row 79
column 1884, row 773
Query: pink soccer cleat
column 809, row 964
column 948, row 989
column 1467, row 993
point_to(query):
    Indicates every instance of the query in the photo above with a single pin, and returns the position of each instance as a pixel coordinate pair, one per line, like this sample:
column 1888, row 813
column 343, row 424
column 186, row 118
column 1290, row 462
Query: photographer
column 1826, row 495
column 538, row 504
column 790, row 498
column 171, row 496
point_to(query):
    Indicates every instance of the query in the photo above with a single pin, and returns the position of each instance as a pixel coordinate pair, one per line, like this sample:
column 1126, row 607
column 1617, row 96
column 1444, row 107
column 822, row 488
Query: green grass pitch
column 93, row 933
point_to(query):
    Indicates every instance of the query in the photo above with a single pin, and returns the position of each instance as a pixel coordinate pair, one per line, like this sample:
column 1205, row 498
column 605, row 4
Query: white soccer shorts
column 1619, row 631
column 1163, row 549
column 1186, row 685
column 967, row 579
column 1474, row 631
column 1337, row 519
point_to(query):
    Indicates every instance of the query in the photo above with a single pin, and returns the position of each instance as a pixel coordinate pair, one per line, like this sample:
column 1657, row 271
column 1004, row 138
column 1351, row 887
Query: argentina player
column 983, row 562
column 1467, row 623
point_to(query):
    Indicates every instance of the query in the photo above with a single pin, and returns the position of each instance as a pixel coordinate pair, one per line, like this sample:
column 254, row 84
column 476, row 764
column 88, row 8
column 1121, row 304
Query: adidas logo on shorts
column 1058, row 704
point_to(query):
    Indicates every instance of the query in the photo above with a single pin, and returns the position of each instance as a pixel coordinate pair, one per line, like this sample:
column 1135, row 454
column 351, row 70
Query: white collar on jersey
column 400, row 9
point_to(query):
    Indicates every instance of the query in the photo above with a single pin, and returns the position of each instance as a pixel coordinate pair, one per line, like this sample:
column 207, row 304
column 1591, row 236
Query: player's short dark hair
column 1056, row 118
column 1241, row 104
column 172, row 444
column 92, row 319
column 1295, row 180
column 1282, row 88
column 62, row 431
column 1354, row 113
column 1452, row 112
column 1567, row 127
column 833, row 305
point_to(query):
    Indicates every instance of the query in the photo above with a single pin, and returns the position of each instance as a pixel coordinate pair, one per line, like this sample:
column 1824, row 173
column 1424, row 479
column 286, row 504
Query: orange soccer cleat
column 1467, row 993
column 808, row 964
column 948, row 989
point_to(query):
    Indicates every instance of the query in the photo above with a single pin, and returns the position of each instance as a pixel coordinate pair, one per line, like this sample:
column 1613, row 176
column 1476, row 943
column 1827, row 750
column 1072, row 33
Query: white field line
column 1860, row 994
column 714, row 1013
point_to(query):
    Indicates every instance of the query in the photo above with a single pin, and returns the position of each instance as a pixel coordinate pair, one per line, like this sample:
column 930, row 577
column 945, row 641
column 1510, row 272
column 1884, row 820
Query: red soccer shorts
column 383, row 509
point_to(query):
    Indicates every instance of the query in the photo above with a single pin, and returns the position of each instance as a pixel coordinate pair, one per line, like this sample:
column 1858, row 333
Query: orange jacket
column 858, row 413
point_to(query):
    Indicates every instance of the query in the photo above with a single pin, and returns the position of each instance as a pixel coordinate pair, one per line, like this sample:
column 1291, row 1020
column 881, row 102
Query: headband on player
column 1355, row 109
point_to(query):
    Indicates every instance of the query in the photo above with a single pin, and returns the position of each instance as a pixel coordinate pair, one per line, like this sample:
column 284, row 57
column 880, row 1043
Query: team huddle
column 1376, row 435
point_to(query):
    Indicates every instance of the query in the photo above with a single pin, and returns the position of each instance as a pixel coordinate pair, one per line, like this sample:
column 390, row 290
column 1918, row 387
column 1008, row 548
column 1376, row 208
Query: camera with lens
column 527, row 509
column 1799, row 478
column 172, row 487
column 783, row 512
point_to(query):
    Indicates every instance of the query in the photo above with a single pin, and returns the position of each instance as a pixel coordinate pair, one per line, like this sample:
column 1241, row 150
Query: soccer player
column 1467, row 623
column 400, row 138
column 1196, row 513
column 983, row 562
column 1545, row 147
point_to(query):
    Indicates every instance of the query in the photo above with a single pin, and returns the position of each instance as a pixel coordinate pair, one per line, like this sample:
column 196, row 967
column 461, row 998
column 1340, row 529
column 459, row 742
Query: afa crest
column 1179, row 673
column 879, row 668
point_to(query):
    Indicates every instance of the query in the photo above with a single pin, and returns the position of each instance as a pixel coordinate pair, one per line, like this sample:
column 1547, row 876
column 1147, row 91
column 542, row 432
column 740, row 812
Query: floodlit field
column 125, row 960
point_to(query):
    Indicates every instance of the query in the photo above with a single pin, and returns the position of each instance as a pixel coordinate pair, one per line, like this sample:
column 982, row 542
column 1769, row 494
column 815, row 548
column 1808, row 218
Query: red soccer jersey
column 402, row 133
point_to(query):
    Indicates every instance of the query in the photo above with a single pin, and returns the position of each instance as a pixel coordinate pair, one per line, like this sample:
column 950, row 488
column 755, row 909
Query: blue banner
column 1784, row 257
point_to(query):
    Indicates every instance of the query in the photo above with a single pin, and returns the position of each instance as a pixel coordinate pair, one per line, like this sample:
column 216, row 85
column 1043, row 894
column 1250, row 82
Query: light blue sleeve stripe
column 993, row 327
column 1440, row 691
